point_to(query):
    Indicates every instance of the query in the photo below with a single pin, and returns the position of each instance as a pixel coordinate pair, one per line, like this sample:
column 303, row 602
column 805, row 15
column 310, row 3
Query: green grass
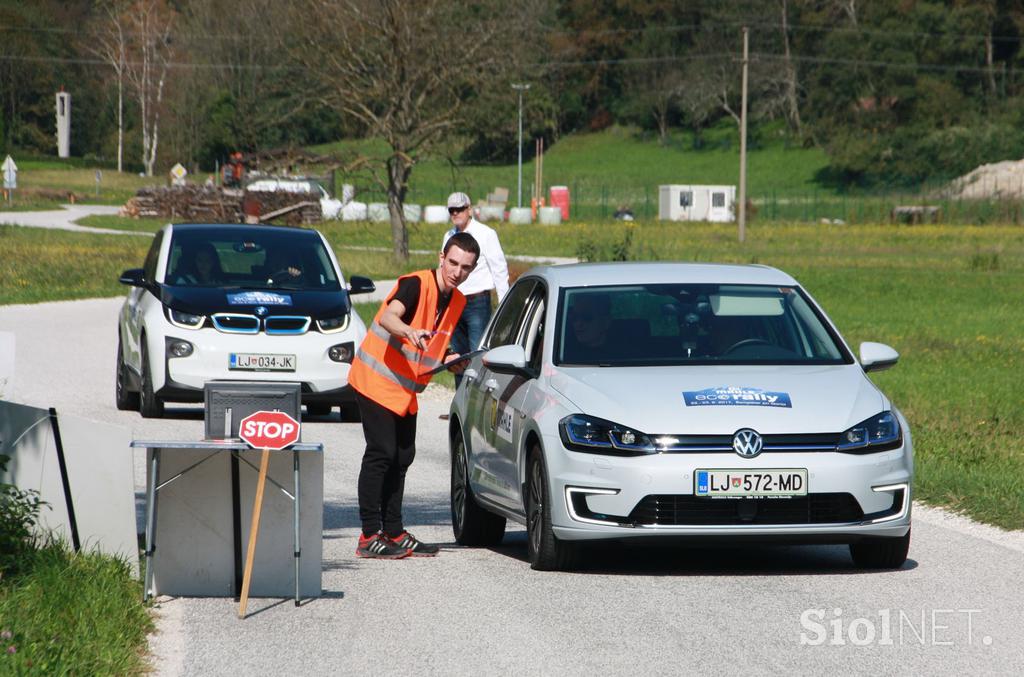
column 42, row 265
column 947, row 298
column 68, row 613
column 56, row 178
column 142, row 224
column 618, row 166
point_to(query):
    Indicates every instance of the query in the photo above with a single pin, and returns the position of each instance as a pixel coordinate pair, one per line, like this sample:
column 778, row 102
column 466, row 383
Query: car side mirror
column 135, row 277
column 506, row 359
column 357, row 284
column 877, row 356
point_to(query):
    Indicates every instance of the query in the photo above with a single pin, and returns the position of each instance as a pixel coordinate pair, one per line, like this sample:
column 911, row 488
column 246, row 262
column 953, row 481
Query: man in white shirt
column 491, row 272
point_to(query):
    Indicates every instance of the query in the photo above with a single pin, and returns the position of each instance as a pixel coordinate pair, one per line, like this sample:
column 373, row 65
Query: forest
column 894, row 92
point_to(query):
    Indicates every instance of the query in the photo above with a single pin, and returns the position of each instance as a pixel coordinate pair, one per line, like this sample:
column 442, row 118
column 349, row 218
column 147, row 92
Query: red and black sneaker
column 416, row 547
column 380, row 546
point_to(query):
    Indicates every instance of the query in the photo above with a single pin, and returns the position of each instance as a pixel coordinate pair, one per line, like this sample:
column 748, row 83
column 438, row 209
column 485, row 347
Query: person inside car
column 200, row 266
column 589, row 320
column 281, row 266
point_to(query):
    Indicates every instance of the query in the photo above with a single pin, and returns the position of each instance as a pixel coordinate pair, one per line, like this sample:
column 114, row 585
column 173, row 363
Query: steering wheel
column 745, row 343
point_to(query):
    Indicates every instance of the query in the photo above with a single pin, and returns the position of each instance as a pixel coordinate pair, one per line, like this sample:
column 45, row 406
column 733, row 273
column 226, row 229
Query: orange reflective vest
column 389, row 370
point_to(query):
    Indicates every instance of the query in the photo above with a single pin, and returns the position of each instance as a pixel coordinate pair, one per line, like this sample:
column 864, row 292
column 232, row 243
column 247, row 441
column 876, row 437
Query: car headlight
column 178, row 347
column 881, row 432
column 332, row 325
column 185, row 320
column 593, row 435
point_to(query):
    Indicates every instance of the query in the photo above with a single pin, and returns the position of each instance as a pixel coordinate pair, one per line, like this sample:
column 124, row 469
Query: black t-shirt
column 409, row 294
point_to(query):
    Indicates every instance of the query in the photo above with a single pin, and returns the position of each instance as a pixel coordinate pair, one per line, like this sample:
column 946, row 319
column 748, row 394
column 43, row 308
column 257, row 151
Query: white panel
column 101, row 475
column 6, row 363
column 194, row 553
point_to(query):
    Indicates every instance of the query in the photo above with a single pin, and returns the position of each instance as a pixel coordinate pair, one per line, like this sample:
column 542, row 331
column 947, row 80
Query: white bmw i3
column 223, row 302
column 672, row 400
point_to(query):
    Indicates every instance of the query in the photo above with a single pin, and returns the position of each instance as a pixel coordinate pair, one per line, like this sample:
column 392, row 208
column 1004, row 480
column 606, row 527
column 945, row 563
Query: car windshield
column 254, row 259
column 677, row 324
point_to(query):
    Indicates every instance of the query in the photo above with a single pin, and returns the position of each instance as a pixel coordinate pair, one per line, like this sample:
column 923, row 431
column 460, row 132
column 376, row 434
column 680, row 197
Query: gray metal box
column 228, row 402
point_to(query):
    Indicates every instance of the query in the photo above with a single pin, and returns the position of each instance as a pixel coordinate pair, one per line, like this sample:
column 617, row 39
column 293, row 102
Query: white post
column 63, row 124
column 743, row 142
column 520, row 89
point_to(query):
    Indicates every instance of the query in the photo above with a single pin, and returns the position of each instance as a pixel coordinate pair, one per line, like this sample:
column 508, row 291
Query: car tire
column 318, row 409
column 544, row 550
column 125, row 399
column 881, row 553
column 150, row 405
column 471, row 524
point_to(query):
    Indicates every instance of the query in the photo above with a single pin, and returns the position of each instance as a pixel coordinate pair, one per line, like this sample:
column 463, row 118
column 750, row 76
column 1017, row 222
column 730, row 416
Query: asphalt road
column 956, row 607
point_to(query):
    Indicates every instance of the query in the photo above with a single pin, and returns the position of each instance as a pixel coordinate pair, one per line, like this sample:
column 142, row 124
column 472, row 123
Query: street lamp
column 520, row 89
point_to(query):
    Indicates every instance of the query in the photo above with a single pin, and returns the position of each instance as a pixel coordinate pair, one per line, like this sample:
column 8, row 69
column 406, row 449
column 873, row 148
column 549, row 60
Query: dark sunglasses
column 456, row 210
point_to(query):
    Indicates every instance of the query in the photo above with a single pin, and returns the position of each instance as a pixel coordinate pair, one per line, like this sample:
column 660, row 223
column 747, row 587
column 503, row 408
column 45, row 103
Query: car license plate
column 732, row 483
column 261, row 362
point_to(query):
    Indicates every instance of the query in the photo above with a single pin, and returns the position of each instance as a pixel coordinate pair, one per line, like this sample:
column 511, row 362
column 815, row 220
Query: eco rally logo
column 734, row 396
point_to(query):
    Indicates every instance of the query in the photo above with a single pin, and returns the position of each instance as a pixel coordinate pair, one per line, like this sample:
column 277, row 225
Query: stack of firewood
column 213, row 204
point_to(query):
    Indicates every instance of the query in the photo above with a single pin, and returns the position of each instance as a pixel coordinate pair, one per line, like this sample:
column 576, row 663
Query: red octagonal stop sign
column 269, row 430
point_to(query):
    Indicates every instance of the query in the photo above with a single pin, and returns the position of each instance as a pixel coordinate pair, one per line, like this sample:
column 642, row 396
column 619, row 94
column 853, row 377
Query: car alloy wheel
column 471, row 524
column 545, row 551
column 125, row 399
column 150, row 406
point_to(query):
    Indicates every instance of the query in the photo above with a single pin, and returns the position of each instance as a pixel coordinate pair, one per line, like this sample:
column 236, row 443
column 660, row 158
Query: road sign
column 178, row 173
column 10, row 173
column 269, row 430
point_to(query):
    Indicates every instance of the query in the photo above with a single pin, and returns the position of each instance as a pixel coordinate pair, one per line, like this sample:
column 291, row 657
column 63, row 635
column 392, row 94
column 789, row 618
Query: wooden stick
column 257, row 508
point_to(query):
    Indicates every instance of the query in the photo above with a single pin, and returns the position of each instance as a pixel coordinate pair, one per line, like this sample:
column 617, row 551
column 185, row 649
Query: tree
column 111, row 45
column 406, row 72
column 149, row 24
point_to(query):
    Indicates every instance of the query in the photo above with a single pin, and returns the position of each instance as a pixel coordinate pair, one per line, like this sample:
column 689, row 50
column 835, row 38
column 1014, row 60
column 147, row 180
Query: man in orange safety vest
column 408, row 338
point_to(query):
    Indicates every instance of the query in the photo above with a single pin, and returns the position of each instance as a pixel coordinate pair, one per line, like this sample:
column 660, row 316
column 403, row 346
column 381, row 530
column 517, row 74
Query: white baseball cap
column 458, row 200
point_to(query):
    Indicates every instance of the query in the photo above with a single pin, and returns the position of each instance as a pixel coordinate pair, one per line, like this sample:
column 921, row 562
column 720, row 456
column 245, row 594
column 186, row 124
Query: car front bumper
column 601, row 497
column 322, row 378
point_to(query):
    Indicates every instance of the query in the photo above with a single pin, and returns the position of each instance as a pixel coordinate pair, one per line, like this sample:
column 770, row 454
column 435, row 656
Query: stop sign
column 269, row 430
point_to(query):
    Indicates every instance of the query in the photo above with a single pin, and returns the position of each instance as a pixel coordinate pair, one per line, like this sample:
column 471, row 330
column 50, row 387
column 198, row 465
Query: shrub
column 19, row 511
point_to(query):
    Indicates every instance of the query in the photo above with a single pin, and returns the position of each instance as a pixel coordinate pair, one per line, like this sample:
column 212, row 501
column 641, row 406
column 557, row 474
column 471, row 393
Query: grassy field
column 72, row 614
column 947, row 298
column 618, row 166
column 45, row 184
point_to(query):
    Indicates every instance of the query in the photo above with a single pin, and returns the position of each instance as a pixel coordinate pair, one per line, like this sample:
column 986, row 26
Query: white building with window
column 696, row 203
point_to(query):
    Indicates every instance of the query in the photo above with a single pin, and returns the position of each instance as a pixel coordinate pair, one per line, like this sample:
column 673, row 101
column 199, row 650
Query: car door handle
column 469, row 374
column 490, row 384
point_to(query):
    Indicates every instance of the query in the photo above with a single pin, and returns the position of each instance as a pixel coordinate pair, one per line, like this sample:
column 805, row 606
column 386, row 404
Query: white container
column 520, row 215
column 378, row 211
column 354, row 211
column 435, row 214
column 549, row 216
column 412, row 213
column 683, row 202
column 491, row 213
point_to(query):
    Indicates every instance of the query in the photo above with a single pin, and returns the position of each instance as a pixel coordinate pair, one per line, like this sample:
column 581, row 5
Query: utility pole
column 743, row 141
column 520, row 89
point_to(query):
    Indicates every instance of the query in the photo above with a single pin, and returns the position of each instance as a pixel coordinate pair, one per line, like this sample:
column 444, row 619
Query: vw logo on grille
column 747, row 443
column 261, row 310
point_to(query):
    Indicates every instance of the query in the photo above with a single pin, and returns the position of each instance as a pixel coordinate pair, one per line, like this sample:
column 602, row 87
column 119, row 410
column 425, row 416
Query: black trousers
column 390, row 449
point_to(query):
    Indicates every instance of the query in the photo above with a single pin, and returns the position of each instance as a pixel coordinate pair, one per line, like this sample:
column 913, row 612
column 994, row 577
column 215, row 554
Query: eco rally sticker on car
column 252, row 298
column 734, row 396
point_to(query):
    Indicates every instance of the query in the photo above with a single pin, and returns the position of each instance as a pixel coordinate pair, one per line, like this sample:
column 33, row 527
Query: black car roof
column 244, row 228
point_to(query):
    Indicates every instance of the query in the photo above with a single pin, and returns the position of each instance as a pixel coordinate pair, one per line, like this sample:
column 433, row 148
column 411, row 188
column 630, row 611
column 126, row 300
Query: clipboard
column 465, row 357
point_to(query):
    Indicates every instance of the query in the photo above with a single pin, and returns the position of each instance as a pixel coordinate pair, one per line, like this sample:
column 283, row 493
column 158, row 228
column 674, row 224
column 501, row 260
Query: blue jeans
column 470, row 328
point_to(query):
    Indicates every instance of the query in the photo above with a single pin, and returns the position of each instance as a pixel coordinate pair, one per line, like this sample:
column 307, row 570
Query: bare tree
column 789, row 76
column 149, row 24
column 109, row 41
column 405, row 71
